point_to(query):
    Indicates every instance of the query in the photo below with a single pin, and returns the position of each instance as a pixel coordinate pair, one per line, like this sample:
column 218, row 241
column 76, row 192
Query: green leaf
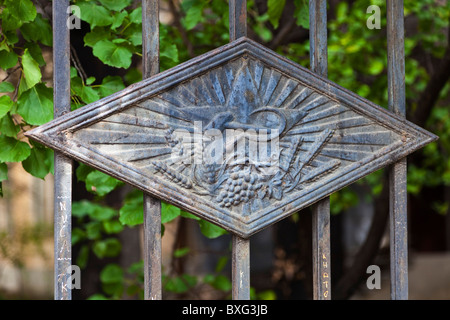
column 189, row 279
column 89, row 94
column 22, row 85
column 110, row 85
column 8, row 59
column 188, row 215
column 102, row 213
column 376, row 67
column 3, row 172
column 181, row 252
column 73, row 72
column 95, row 15
column 194, row 13
column 10, row 23
column 170, row 52
column 132, row 76
column 115, row 5
column 118, row 19
column 221, row 264
column 267, row 295
column 136, row 16
column 82, row 208
column 107, row 248
column 181, row 283
column 77, row 235
column 8, row 127
column 97, row 296
column 100, row 183
column 112, row 226
column 12, row 150
column 86, row 93
column 93, row 230
column 134, row 34
column 5, row 105
column 36, row 52
column 93, row 210
column 219, row 282
column 210, row 230
column 132, row 212
column 38, row 30
column 6, row 86
column 90, row 80
column 112, row 273
column 83, row 256
column 113, row 54
column 31, row 69
column 169, row 212
column 91, row 38
column 23, row 10
column 113, row 289
column 37, row 164
column 301, row 13
column 83, row 171
column 274, row 10
column 36, row 104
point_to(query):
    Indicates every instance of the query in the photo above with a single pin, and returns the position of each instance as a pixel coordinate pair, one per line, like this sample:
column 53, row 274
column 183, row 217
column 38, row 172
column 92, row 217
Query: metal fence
column 240, row 245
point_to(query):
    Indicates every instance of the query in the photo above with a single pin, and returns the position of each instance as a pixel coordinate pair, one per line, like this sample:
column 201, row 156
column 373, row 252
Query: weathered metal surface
column 152, row 206
column 397, row 172
column 240, row 268
column 328, row 137
column 152, row 249
column 238, row 19
column 63, row 165
column 240, row 258
column 321, row 210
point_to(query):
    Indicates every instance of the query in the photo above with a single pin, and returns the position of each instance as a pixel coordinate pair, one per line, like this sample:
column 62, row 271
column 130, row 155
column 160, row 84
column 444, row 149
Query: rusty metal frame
column 321, row 210
column 240, row 254
column 397, row 172
column 152, row 206
column 55, row 134
column 63, row 164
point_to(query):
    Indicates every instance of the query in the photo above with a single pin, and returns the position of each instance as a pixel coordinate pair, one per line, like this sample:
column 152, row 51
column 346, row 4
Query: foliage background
column 106, row 55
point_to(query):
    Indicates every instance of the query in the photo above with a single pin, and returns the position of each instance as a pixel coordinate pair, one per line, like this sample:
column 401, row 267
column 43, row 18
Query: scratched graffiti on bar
column 319, row 136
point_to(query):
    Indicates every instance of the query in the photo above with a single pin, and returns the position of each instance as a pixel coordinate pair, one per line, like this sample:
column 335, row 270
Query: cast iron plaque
column 239, row 136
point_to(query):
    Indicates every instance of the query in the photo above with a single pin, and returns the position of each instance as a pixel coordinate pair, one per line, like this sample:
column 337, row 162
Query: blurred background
column 107, row 214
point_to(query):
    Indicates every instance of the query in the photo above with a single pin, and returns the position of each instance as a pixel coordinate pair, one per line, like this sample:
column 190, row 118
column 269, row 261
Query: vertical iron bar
column 152, row 248
column 240, row 268
column 321, row 250
column 397, row 172
column 238, row 19
column 321, row 210
column 152, row 207
column 240, row 247
column 63, row 165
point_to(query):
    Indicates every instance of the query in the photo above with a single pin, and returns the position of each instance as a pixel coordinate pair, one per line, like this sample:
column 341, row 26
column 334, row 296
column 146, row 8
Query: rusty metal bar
column 240, row 268
column 397, row 172
column 63, row 165
column 152, row 206
column 238, row 19
column 321, row 250
column 152, row 248
column 240, row 271
column 321, row 210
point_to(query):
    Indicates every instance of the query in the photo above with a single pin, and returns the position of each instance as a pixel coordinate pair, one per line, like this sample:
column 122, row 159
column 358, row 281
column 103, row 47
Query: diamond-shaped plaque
column 239, row 136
